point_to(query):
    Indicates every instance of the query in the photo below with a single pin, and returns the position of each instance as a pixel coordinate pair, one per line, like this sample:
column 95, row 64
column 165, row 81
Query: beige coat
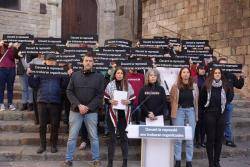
column 174, row 99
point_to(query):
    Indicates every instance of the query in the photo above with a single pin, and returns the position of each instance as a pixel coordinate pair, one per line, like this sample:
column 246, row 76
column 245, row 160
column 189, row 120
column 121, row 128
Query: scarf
column 111, row 87
column 217, row 84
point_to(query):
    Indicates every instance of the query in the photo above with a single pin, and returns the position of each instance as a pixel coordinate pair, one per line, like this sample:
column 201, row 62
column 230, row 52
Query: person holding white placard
column 152, row 97
column 184, row 96
column 118, row 116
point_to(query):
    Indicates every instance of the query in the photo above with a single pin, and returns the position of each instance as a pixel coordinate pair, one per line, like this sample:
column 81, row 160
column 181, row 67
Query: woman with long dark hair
column 214, row 97
column 118, row 119
column 184, row 96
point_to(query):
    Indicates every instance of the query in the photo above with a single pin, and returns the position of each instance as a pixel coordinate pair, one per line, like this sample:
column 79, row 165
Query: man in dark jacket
column 48, row 104
column 85, row 93
column 233, row 82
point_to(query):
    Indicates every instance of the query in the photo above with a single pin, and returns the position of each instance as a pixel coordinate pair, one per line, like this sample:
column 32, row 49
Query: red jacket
column 137, row 82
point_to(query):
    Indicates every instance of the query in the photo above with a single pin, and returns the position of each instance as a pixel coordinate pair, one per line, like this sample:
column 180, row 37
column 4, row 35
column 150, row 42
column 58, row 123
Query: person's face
column 119, row 75
column 223, row 62
column 88, row 63
column 217, row 74
column 185, row 74
column 50, row 62
column 152, row 78
column 201, row 71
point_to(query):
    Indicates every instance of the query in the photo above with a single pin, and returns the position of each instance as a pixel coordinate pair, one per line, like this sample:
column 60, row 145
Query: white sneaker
column 12, row 107
column 2, row 107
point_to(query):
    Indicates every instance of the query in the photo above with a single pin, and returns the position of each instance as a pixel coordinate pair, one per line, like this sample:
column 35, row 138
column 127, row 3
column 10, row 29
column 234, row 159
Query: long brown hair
column 180, row 83
column 210, row 78
column 124, row 81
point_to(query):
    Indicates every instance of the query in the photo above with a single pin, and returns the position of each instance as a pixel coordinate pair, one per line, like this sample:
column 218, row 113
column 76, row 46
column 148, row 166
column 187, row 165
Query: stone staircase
column 19, row 138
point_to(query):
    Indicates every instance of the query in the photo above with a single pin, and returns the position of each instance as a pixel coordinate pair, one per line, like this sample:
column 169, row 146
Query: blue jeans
column 185, row 115
column 27, row 96
column 75, row 123
column 7, row 76
column 228, row 128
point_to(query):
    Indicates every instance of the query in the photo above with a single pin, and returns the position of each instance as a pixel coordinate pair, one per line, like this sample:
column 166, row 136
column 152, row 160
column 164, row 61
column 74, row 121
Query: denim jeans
column 75, row 123
column 27, row 96
column 7, row 76
column 185, row 115
column 228, row 128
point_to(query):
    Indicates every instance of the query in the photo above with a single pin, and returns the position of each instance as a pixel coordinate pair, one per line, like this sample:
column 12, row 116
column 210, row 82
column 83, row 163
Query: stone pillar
column 55, row 18
column 106, row 20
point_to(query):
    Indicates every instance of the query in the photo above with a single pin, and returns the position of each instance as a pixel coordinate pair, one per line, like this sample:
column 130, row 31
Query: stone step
column 241, row 112
column 17, row 134
column 28, row 153
column 241, row 103
column 33, row 139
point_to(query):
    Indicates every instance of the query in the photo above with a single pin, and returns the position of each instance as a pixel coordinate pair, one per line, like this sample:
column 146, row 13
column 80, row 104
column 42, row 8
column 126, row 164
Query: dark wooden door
column 79, row 17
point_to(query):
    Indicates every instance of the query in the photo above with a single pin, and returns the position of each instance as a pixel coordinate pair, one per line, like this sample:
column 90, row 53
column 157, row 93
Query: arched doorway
column 79, row 17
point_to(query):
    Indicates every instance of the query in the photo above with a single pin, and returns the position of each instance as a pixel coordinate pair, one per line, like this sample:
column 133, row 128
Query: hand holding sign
column 125, row 102
column 151, row 116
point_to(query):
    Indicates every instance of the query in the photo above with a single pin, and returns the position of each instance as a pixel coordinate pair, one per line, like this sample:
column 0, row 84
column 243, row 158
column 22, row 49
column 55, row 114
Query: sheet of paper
column 120, row 95
column 158, row 122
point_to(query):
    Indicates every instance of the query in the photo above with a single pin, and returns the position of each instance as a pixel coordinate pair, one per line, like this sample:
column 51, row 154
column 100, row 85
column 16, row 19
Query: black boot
column 24, row 107
column 177, row 164
column 110, row 163
column 125, row 163
column 54, row 149
column 30, row 107
column 41, row 149
column 188, row 164
column 217, row 164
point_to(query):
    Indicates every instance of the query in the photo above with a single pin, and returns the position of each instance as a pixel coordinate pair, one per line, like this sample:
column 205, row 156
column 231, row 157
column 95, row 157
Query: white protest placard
column 119, row 96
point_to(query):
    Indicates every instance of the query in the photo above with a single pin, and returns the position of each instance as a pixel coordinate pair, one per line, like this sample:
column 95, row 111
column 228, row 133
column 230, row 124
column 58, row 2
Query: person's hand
column 70, row 72
column 151, row 116
column 29, row 71
column 113, row 102
column 241, row 75
column 10, row 45
column 83, row 109
column 125, row 102
column 16, row 45
column 20, row 54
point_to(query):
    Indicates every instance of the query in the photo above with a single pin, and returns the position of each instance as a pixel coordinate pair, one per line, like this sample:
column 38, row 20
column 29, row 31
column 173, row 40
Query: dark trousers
column 121, row 127
column 66, row 106
column 7, row 77
column 35, row 106
column 200, row 129
column 215, row 125
column 49, row 112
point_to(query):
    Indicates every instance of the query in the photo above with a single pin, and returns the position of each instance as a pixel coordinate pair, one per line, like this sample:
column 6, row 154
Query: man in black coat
column 85, row 93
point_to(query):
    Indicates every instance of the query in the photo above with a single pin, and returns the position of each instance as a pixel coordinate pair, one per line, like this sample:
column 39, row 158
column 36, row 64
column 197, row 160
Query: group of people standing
column 202, row 101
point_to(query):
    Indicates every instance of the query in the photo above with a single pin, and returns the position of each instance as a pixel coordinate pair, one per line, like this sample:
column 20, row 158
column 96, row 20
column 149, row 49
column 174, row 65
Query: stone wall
column 29, row 20
column 226, row 23
column 126, row 19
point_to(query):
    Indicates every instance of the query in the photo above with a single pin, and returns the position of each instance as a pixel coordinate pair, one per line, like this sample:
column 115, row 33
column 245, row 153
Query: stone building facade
column 116, row 18
column 226, row 23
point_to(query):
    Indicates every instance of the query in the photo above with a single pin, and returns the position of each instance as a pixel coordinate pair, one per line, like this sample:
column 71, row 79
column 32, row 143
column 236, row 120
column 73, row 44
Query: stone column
column 55, row 18
column 106, row 20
